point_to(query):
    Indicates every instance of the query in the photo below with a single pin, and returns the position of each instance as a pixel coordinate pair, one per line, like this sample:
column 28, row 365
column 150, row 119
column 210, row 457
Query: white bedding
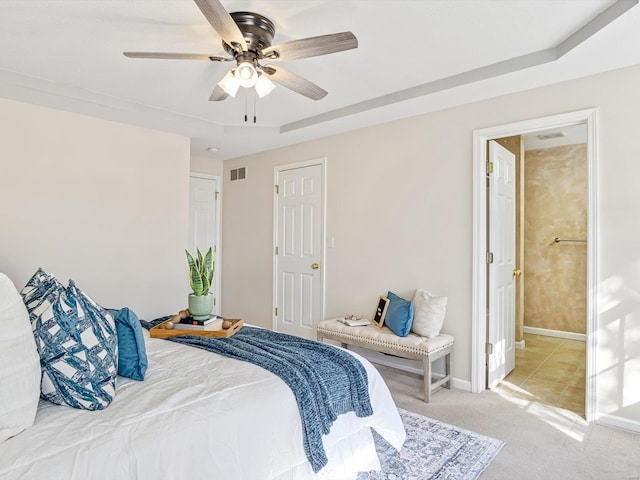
column 196, row 415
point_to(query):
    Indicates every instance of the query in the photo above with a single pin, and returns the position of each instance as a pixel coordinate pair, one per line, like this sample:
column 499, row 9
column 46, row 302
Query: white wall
column 400, row 208
column 100, row 202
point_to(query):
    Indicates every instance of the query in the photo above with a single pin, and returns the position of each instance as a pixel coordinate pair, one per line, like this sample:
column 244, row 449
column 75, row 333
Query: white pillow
column 19, row 364
column 429, row 312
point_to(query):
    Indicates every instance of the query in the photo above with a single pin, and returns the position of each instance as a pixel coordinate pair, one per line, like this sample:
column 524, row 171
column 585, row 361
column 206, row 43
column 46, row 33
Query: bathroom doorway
column 482, row 321
column 551, row 266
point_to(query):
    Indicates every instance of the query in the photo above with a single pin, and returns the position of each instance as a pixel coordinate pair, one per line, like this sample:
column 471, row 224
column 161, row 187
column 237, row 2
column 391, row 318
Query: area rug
column 434, row 451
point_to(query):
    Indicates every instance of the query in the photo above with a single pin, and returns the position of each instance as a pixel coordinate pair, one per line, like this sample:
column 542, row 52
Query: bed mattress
column 196, row 415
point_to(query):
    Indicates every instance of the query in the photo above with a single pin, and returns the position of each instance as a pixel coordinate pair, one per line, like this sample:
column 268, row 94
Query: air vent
column 238, row 173
column 549, row 136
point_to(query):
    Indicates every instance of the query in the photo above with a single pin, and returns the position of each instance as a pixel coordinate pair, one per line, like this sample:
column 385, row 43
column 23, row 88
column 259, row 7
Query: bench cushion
column 384, row 337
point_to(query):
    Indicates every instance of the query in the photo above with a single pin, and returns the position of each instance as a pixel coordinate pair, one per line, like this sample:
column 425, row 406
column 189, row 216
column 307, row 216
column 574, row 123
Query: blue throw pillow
column 399, row 315
column 132, row 353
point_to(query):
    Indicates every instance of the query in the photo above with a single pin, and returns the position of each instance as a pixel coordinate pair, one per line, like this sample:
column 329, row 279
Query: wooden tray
column 160, row 330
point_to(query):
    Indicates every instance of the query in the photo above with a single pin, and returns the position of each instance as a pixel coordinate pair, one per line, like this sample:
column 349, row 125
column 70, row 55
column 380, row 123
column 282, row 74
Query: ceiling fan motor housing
column 257, row 30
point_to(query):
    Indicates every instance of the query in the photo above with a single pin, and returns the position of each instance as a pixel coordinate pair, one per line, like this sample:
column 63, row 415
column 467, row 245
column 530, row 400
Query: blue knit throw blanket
column 325, row 380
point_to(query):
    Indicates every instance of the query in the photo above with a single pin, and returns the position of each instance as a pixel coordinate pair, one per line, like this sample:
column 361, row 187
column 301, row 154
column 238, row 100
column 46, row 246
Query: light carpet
column 434, row 451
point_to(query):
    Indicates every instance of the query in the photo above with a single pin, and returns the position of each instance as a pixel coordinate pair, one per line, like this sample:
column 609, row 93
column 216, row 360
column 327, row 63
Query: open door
column 501, row 264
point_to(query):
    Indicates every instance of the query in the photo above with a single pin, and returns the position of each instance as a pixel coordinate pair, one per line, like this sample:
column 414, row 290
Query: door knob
column 517, row 272
column 315, row 266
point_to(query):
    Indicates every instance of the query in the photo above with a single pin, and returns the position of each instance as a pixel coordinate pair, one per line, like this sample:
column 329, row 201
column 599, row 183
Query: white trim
column 479, row 284
column 520, row 345
column 547, row 332
column 619, row 422
column 218, row 255
column 323, row 224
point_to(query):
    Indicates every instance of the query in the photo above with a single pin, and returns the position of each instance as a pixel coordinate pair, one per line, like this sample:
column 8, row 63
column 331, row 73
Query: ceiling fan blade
column 176, row 56
column 222, row 22
column 312, row 46
column 218, row 95
column 294, row 82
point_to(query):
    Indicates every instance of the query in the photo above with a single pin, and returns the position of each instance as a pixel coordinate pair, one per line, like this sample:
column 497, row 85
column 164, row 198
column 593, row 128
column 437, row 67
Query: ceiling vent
column 549, row 136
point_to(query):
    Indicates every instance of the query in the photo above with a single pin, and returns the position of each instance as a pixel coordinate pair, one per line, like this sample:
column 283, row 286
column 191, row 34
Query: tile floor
column 551, row 370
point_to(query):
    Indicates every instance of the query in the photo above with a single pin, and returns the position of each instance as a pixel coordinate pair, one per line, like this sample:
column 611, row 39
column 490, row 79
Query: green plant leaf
column 207, row 271
column 195, row 277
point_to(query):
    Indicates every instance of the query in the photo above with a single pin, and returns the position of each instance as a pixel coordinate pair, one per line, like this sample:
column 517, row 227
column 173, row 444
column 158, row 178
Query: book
column 193, row 321
column 351, row 322
column 215, row 324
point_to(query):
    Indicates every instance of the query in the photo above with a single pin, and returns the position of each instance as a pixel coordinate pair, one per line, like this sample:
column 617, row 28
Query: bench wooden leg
column 427, row 379
column 447, row 370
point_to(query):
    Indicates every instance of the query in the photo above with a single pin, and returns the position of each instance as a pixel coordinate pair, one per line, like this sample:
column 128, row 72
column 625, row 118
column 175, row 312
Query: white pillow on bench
column 429, row 313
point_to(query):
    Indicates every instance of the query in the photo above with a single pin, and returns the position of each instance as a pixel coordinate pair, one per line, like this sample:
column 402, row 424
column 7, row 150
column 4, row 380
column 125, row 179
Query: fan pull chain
column 245, row 108
column 255, row 107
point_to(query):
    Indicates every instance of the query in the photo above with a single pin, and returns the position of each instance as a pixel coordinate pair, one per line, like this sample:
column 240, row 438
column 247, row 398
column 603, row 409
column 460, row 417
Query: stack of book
column 212, row 323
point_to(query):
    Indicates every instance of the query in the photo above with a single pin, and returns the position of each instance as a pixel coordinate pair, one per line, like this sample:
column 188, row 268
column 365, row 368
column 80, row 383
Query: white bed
column 196, row 415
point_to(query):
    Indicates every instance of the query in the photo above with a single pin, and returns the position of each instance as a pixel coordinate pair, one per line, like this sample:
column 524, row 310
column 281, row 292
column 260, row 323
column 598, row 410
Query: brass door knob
column 517, row 272
column 315, row 266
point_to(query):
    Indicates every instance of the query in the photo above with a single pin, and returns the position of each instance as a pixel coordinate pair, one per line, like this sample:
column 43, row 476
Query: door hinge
column 214, row 300
column 276, row 311
column 489, row 257
column 277, row 250
column 489, row 168
column 277, row 187
column 215, row 249
column 489, row 348
column 217, row 195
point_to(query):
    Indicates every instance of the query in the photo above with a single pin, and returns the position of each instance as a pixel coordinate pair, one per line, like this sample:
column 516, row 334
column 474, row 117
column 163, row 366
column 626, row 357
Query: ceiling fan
column 247, row 38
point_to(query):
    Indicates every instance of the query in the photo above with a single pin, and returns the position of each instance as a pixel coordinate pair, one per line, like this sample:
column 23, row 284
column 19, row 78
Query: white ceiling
column 412, row 58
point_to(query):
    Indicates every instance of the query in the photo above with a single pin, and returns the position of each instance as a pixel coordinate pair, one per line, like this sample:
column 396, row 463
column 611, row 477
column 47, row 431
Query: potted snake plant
column 200, row 277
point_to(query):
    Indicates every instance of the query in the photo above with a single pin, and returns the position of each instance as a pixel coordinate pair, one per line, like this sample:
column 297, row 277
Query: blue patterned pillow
column 39, row 292
column 399, row 315
column 78, row 347
column 132, row 353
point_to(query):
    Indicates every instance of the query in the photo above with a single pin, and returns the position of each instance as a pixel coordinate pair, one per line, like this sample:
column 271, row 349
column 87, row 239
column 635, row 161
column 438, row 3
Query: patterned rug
column 434, row 451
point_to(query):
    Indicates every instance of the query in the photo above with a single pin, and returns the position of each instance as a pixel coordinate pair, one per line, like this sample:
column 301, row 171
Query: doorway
column 298, row 267
column 480, row 284
column 550, row 279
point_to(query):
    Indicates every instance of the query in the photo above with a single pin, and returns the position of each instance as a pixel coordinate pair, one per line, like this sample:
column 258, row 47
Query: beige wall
column 97, row 201
column 399, row 204
column 556, row 206
column 202, row 164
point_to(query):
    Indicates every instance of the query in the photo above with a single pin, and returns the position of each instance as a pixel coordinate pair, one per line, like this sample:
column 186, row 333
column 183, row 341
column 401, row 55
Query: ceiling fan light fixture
column 264, row 86
column 229, row 84
column 246, row 75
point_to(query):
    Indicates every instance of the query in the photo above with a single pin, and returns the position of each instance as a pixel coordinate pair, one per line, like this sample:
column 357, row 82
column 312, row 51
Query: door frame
column 217, row 256
column 323, row 207
column 479, row 285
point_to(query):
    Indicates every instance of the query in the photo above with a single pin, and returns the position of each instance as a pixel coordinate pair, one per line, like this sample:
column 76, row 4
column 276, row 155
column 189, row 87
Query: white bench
column 384, row 340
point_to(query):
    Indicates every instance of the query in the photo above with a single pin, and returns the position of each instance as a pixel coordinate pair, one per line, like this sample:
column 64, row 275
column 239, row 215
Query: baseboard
column 520, row 345
column 619, row 422
column 461, row 384
column 556, row 333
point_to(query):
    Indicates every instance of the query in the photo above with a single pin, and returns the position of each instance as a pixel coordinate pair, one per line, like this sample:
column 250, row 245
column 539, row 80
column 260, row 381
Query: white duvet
column 197, row 415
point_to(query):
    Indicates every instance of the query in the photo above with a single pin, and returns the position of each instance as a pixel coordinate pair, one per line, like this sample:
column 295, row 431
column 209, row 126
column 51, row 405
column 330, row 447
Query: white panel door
column 299, row 244
column 204, row 223
column 502, row 244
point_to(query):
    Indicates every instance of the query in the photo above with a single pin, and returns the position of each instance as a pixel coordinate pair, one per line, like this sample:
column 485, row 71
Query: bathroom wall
column 556, row 206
